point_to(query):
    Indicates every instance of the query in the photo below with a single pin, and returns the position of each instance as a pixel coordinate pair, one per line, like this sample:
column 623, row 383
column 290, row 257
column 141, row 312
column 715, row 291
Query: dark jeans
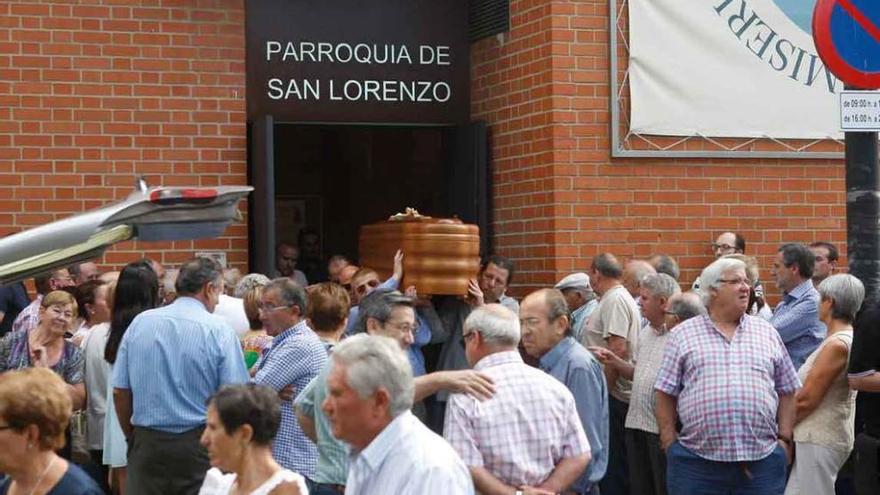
column 616, row 480
column 689, row 474
column 162, row 463
column 647, row 474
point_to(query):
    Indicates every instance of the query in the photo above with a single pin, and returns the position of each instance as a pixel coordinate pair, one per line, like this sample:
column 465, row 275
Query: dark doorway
column 335, row 178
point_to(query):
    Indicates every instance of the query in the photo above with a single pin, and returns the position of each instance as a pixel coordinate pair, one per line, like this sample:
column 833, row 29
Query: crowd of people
column 323, row 378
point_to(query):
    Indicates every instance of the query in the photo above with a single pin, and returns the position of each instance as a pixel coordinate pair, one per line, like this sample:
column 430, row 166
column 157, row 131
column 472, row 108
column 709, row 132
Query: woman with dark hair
column 137, row 290
column 91, row 299
column 241, row 424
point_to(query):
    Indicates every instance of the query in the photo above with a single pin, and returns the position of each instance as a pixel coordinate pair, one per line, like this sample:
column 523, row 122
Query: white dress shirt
column 408, row 458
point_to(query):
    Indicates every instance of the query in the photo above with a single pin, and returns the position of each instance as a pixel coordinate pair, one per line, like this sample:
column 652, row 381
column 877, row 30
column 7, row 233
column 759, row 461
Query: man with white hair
column 371, row 389
column 581, row 300
column 727, row 378
column 528, row 438
column 642, row 441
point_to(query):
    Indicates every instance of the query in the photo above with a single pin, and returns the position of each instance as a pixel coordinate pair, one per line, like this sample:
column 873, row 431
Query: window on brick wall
column 487, row 18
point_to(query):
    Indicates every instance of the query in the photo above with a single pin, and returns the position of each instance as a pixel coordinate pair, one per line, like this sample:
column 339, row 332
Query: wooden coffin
column 440, row 255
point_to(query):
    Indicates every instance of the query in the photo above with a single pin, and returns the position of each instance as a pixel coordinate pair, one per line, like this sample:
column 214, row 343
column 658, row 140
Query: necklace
column 45, row 472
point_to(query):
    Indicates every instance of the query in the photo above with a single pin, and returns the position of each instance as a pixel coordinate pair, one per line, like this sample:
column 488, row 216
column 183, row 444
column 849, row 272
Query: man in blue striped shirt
column 295, row 357
column 170, row 361
column 797, row 316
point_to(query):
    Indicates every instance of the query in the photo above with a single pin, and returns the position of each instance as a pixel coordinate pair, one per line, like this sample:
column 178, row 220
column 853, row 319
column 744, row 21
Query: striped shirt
column 797, row 320
column 407, row 458
column 728, row 391
column 647, row 358
column 295, row 357
column 173, row 359
column 521, row 433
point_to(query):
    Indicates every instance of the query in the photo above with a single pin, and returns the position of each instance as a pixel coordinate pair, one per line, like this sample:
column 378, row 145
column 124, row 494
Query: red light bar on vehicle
column 175, row 195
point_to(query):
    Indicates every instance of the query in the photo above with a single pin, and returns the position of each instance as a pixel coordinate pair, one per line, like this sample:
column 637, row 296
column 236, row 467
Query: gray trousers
column 647, row 463
column 161, row 463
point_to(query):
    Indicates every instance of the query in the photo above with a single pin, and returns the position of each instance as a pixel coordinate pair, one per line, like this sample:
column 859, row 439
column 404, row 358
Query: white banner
column 729, row 68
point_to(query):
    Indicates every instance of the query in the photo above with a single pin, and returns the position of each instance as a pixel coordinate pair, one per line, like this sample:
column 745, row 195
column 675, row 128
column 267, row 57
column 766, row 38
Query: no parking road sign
column 847, row 37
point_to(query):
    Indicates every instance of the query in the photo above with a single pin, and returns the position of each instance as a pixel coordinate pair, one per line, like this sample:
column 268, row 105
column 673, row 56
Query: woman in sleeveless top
column 241, row 424
column 825, row 414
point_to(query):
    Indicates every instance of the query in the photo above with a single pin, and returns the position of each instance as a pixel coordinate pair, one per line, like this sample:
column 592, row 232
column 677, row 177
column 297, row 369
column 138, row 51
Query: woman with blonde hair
column 35, row 409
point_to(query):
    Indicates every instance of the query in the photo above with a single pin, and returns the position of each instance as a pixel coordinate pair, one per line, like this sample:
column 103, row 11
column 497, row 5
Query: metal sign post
column 847, row 37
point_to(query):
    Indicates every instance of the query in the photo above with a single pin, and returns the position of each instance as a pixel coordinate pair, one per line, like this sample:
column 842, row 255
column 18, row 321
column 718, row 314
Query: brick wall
column 560, row 198
column 95, row 92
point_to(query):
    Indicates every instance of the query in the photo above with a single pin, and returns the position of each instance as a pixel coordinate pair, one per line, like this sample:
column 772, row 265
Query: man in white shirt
column 371, row 390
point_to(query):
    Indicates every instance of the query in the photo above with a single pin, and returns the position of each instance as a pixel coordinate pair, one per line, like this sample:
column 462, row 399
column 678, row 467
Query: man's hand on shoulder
column 470, row 382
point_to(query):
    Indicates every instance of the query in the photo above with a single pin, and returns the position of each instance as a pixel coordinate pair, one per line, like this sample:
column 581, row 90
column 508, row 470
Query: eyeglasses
column 722, row 247
column 268, row 309
column 736, row 281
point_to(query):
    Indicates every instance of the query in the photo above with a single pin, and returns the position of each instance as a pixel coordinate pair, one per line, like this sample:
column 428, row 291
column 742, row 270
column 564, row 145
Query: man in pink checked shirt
column 528, row 438
column 728, row 378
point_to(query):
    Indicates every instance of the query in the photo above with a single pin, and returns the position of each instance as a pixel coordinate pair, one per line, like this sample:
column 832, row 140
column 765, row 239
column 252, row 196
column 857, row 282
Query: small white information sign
column 860, row 111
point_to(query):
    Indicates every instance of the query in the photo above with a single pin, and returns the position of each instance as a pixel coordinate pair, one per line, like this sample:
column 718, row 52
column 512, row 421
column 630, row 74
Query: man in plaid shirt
column 728, row 378
column 526, row 439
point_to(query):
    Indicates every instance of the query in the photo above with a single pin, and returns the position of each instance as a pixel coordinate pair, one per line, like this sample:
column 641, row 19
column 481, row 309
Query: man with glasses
column 796, row 318
column 45, row 283
column 386, row 313
column 729, row 243
column 727, row 378
column 547, row 336
column 295, row 357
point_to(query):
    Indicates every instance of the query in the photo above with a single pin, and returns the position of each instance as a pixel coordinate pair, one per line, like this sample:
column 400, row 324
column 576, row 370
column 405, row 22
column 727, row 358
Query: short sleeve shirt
column 618, row 315
column 728, row 390
column 647, row 358
column 15, row 354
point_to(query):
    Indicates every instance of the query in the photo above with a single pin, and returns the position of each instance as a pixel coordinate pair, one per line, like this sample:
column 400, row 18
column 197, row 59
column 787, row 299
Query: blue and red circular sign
column 847, row 37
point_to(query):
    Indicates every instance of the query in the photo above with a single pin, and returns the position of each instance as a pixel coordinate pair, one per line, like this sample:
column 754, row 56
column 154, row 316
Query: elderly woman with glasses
column 825, row 405
column 46, row 347
column 35, row 409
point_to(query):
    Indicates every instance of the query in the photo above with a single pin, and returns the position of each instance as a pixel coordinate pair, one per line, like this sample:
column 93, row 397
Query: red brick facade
column 560, row 198
column 91, row 95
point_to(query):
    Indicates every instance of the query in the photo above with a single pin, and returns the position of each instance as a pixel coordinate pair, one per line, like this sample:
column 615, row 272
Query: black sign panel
column 388, row 61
